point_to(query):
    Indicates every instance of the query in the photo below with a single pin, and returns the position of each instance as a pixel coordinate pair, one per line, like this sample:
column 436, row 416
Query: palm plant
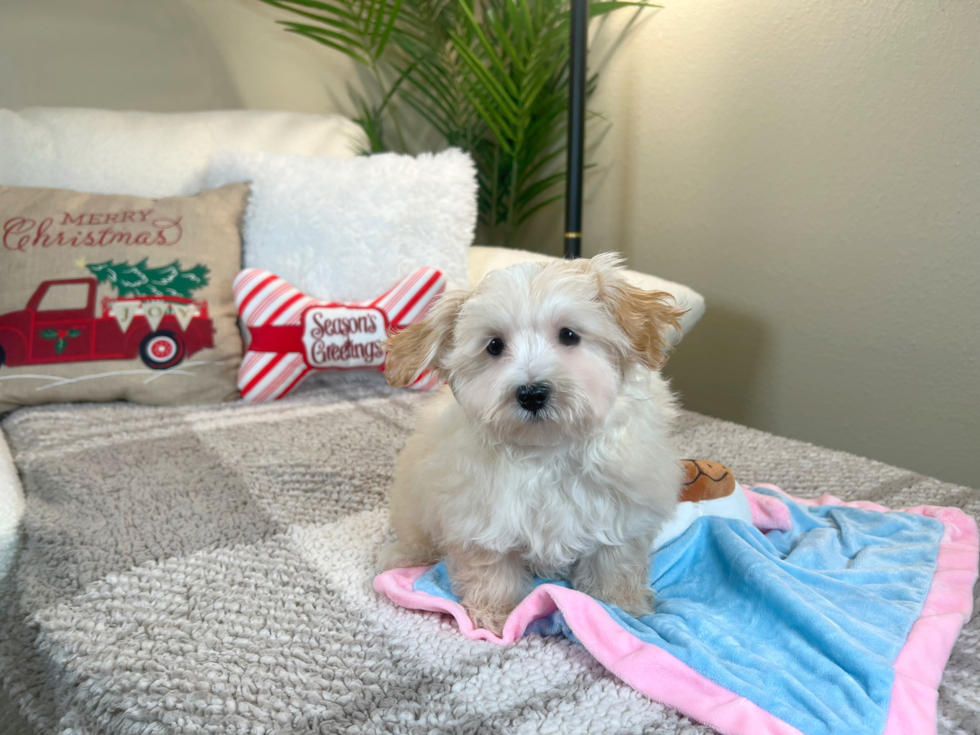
column 490, row 76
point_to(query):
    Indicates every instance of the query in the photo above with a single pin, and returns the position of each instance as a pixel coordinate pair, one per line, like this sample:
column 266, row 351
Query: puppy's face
column 536, row 354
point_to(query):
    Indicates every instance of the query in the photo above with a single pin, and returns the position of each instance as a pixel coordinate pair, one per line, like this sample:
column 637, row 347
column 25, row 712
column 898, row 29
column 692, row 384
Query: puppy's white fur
column 579, row 488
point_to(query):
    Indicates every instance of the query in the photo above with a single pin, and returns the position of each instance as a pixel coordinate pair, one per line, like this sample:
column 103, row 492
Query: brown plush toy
column 706, row 480
column 709, row 489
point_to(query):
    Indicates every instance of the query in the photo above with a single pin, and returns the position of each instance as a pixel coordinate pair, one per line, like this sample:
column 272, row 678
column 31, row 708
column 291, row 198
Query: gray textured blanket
column 209, row 570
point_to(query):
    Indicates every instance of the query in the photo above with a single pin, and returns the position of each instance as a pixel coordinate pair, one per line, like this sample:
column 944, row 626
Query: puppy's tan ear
column 646, row 317
column 423, row 345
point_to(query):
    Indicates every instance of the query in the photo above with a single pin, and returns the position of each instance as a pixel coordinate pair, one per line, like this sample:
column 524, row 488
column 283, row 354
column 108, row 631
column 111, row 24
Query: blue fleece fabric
column 805, row 623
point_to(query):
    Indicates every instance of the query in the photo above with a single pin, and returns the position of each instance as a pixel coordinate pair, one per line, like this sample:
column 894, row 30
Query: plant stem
column 386, row 97
column 510, row 229
column 492, row 219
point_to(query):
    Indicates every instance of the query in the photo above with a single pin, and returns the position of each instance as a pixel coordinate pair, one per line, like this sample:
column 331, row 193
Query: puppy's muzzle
column 533, row 397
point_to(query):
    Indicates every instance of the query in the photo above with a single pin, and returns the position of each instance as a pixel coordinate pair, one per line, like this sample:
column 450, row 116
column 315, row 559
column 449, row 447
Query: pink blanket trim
column 656, row 674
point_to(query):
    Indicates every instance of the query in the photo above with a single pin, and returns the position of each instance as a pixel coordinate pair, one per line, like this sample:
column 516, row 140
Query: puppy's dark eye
column 496, row 346
column 567, row 337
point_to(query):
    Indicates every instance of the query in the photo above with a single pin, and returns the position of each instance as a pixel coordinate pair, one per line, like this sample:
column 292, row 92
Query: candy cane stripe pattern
column 288, row 335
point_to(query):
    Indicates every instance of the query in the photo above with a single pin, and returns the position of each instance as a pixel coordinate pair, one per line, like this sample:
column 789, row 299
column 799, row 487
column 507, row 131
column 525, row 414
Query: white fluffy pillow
column 347, row 229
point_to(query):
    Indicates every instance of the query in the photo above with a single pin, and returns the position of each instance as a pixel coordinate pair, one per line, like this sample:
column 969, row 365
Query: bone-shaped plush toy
column 288, row 334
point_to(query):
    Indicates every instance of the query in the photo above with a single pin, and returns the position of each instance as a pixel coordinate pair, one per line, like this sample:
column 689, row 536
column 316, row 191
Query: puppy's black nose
column 533, row 397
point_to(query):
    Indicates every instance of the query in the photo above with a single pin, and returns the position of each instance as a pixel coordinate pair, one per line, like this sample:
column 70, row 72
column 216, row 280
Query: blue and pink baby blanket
column 821, row 617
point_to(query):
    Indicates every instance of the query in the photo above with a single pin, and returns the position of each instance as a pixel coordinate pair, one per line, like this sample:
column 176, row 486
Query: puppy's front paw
column 488, row 618
column 398, row 555
column 635, row 602
column 627, row 593
column 619, row 575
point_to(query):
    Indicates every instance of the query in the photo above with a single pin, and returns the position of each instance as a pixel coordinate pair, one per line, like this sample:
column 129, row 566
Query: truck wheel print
column 161, row 350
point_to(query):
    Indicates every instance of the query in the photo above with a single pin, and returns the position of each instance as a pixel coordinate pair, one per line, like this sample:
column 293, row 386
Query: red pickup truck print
column 55, row 327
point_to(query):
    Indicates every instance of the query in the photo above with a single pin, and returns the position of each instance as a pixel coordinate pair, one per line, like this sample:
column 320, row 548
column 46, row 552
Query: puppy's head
column 537, row 353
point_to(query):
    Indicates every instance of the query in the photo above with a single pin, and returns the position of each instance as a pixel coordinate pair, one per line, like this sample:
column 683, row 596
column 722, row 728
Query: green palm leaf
column 490, row 76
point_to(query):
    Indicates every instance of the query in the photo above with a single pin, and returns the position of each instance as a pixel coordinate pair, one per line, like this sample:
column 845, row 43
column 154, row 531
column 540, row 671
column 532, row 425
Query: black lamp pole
column 576, row 128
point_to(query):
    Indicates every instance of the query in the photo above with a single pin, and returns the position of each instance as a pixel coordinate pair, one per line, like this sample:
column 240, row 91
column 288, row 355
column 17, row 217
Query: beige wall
column 812, row 167
column 164, row 55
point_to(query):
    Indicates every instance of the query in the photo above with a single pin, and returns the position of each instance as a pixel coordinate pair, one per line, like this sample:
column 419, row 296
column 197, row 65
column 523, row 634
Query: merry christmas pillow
column 107, row 297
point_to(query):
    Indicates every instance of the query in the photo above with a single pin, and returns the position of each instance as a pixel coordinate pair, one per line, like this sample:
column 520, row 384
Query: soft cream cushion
column 153, row 154
column 484, row 259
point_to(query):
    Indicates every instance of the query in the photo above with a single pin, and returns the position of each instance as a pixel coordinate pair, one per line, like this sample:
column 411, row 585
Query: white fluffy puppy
column 549, row 453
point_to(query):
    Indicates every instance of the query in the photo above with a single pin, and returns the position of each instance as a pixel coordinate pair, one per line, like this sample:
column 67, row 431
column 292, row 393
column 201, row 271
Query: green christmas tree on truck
column 142, row 280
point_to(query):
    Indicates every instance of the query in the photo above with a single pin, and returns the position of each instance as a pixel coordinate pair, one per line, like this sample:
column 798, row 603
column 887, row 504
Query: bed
column 209, row 569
